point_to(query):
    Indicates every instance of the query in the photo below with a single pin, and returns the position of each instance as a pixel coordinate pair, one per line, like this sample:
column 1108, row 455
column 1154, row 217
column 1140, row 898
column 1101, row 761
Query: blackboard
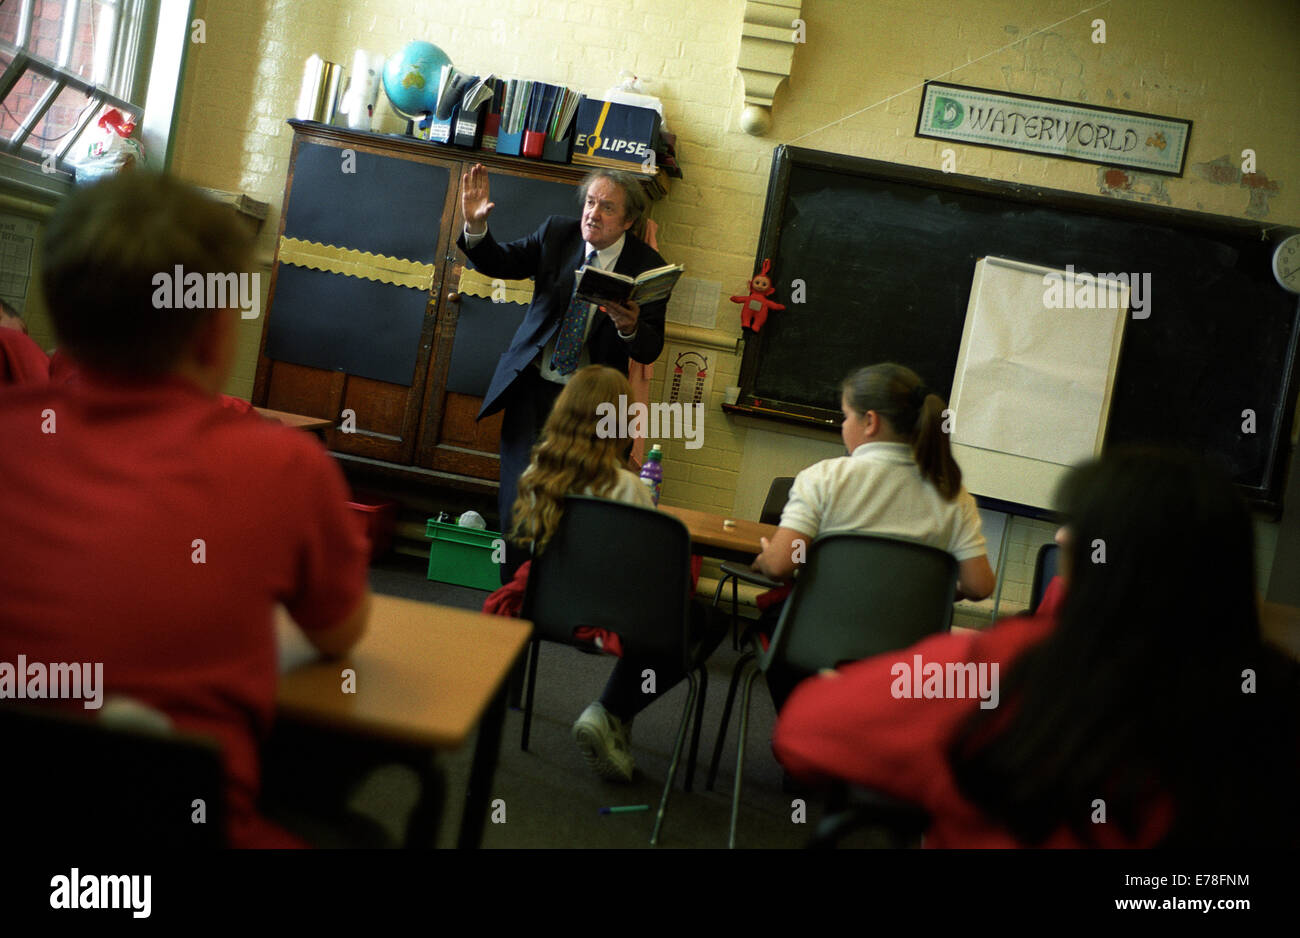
column 351, row 199
column 344, row 198
column 886, row 255
column 349, row 324
column 483, row 332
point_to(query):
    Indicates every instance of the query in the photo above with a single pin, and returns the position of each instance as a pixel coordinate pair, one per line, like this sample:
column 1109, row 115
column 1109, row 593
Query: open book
column 604, row 286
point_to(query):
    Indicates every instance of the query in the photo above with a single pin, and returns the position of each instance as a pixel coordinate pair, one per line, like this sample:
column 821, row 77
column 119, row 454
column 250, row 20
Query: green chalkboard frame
column 1264, row 491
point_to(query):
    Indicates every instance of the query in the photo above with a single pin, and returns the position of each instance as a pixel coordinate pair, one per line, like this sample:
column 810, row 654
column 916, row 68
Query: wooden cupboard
column 366, row 324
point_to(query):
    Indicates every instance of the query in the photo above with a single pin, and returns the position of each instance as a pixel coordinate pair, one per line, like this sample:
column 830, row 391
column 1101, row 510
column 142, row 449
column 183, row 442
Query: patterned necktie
column 568, row 346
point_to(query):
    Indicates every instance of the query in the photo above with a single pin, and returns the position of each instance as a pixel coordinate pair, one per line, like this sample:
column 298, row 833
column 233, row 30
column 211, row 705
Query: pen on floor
column 625, row 808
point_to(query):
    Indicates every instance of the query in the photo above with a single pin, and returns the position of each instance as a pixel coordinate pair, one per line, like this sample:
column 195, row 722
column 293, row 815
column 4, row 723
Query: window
column 63, row 63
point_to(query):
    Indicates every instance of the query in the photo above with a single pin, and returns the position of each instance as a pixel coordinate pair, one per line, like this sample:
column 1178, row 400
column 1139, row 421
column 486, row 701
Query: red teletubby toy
column 754, row 308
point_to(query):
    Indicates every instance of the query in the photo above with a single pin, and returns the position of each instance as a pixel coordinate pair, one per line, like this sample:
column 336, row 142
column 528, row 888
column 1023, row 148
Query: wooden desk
column 426, row 675
column 710, row 538
column 1280, row 625
column 297, row 421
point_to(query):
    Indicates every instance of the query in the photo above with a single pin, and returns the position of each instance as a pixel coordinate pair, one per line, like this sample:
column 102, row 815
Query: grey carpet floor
column 552, row 799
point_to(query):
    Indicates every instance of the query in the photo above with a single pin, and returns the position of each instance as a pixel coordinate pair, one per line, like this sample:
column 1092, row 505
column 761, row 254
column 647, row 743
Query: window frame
column 146, row 65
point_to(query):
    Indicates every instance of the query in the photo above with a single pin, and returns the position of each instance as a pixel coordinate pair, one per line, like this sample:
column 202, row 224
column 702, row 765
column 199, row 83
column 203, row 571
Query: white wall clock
column 1286, row 263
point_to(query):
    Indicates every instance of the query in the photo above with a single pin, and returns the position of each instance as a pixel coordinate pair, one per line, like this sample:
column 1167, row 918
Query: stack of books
column 521, row 117
column 537, row 119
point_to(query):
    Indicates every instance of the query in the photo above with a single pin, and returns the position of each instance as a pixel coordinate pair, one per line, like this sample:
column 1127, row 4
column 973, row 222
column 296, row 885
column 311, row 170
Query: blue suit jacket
column 551, row 255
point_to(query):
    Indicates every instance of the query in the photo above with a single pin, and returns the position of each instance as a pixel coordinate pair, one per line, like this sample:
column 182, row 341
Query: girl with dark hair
column 1147, row 712
column 899, row 479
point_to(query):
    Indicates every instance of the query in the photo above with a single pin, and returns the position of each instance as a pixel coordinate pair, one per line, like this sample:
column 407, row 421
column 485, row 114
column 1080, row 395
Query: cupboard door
column 475, row 327
column 357, row 264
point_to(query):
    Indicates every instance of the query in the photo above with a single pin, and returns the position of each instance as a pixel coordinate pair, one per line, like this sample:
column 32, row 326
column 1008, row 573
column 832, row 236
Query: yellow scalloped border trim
column 353, row 263
column 479, row 284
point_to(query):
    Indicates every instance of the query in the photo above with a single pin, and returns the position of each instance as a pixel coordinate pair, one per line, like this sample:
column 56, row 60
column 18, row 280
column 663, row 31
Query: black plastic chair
column 852, row 809
column 638, row 587
column 1045, row 567
column 778, row 493
column 80, row 783
column 857, row 595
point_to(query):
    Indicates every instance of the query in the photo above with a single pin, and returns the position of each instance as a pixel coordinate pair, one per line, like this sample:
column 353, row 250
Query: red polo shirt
column 149, row 528
column 852, row 727
column 21, row 359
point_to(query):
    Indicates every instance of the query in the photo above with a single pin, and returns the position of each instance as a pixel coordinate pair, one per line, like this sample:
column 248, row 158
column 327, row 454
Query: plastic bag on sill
column 111, row 148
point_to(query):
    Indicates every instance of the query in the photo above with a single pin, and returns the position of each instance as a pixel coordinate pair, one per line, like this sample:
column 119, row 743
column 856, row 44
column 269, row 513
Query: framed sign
column 1069, row 131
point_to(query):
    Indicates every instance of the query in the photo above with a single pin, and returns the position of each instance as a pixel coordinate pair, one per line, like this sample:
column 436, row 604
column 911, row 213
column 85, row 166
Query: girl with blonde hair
column 572, row 458
column 576, row 457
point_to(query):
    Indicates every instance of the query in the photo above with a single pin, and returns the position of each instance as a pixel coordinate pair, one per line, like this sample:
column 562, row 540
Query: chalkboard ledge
column 782, row 416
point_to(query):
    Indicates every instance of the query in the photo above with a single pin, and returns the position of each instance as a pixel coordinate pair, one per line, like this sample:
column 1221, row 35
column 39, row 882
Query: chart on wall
column 1032, row 389
column 17, row 245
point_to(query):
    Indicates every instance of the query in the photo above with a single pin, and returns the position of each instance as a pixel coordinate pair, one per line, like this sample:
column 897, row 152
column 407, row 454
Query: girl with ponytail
column 899, row 479
column 1145, row 709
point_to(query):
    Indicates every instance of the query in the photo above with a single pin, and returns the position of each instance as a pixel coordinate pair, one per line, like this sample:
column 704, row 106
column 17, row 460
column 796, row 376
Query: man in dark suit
column 558, row 334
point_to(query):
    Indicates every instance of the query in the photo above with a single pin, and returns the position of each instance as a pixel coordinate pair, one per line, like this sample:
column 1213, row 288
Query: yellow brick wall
column 855, row 88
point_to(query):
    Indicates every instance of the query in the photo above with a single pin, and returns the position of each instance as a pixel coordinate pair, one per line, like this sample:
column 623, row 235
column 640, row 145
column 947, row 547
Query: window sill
column 24, row 186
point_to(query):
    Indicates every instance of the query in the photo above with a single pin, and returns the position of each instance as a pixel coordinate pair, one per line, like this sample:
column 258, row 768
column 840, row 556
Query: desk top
column 424, row 673
column 708, row 536
column 298, row 421
column 1280, row 625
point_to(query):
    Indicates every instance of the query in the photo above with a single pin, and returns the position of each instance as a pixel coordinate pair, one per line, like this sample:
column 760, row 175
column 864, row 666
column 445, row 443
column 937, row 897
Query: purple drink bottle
column 652, row 473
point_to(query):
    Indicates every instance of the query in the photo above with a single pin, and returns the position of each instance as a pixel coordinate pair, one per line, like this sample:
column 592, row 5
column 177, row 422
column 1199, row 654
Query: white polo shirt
column 880, row 490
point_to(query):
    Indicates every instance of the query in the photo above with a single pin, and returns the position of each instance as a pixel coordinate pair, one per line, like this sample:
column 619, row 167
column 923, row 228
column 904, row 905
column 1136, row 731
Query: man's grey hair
column 634, row 197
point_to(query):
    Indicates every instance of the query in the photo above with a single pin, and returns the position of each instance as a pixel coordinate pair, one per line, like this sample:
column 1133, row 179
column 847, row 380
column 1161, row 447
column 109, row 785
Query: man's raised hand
column 474, row 199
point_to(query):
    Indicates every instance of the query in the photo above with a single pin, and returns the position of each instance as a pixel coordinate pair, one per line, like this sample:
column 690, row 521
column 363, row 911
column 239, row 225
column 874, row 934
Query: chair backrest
column 778, row 493
column 613, row 566
column 1045, row 565
column 74, row 781
column 859, row 595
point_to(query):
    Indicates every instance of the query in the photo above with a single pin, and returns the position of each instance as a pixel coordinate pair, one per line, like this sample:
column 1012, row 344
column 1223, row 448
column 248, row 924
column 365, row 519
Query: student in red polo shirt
column 1146, row 712
column 146, row 526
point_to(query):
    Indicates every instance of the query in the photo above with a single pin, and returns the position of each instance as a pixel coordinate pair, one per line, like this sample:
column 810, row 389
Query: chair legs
column 693, row 753
column 717, row 595
column 726, row 718
column 740, row 757
column 518, row 675
column 534, row 649
column 698, row 687
column 677, row 754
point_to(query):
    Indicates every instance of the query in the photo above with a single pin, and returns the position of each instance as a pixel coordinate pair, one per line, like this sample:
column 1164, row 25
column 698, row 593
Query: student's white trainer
column 602, row 737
